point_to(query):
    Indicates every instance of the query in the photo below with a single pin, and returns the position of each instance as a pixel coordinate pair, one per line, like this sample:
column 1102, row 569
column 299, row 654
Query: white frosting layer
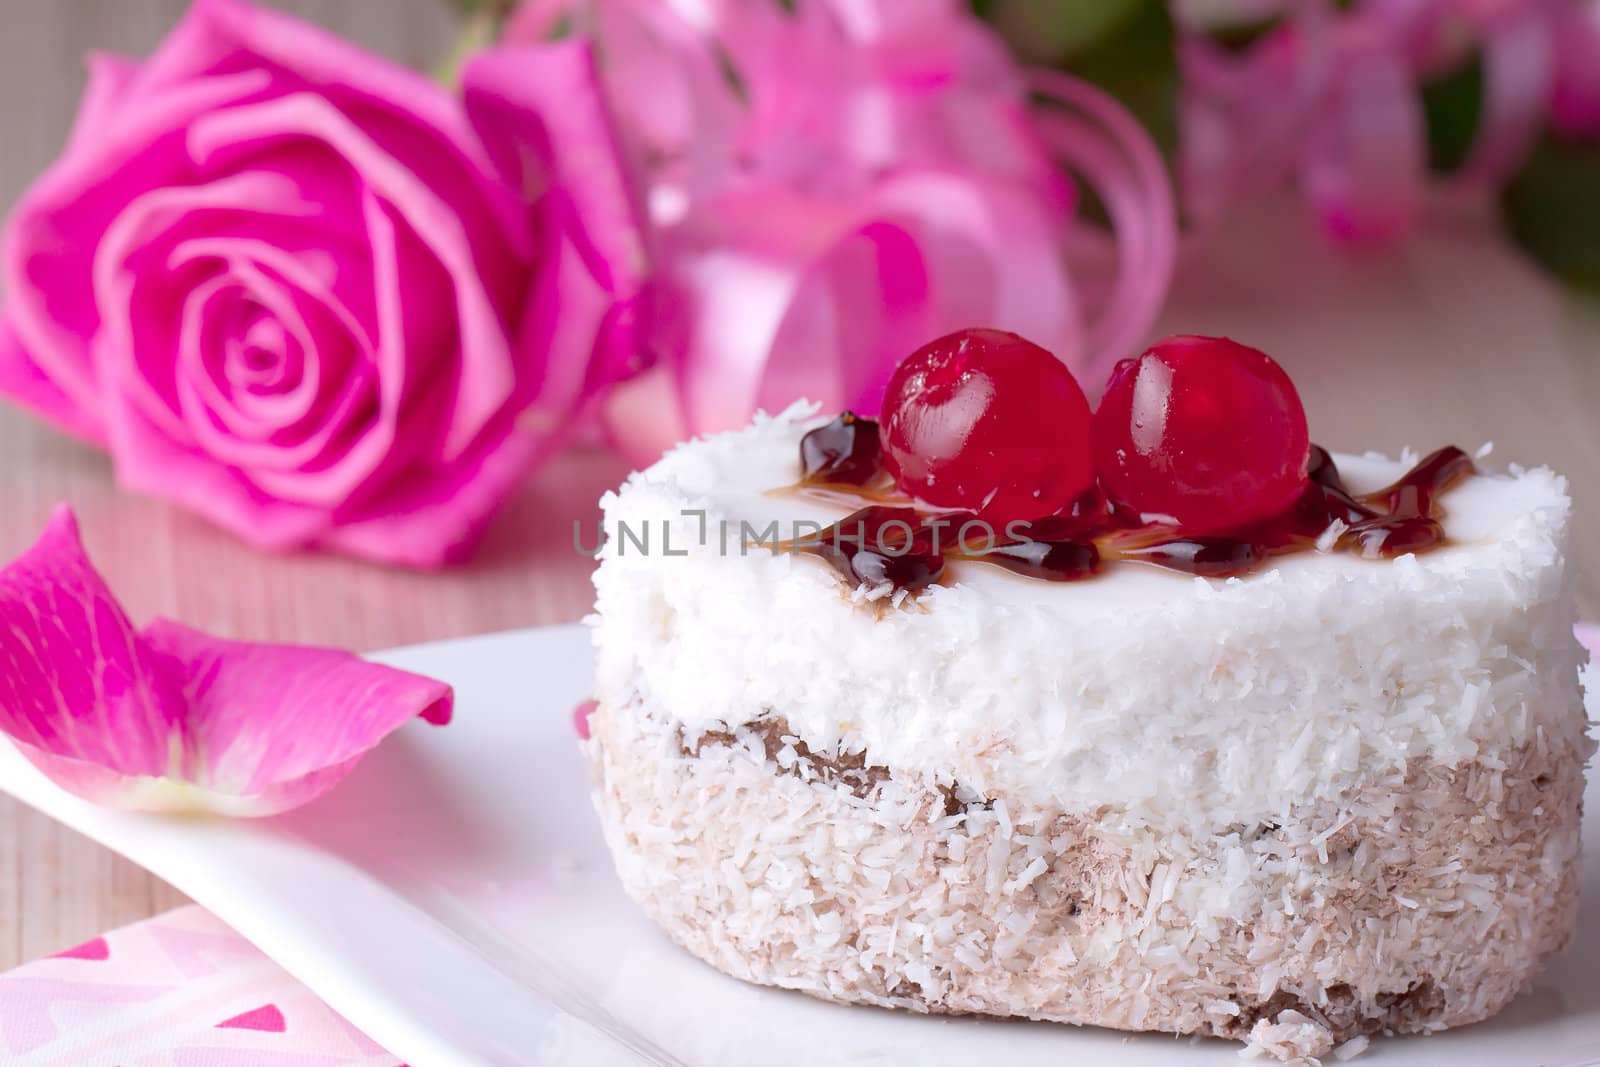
column 1185, row 699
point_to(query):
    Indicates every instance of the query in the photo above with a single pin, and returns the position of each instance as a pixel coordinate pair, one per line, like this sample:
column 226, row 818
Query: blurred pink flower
column 832, row 182
column 1576, row 107
column 308, row 294
column 171, row 719
column 1332, row 97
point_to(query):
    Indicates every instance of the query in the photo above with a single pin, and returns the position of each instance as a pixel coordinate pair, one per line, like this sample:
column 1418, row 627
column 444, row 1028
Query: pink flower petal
column 50, row 236
column 171, row 719
column 149, row 461
column 540, row 112
column 486, row 379
column 285, row 721
column 432, row 524
column 22, row 380
column 110, row 76
column 217, row 32
column 1575, row 109
column 78, row 683
column 542, row 116
column 1365, row 167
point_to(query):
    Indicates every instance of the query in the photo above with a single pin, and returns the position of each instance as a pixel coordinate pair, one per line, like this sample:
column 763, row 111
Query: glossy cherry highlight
column 1201, row 432
column 988, row 422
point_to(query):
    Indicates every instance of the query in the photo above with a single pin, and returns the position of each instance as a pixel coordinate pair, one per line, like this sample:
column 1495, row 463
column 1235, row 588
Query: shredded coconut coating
column 1425, row 900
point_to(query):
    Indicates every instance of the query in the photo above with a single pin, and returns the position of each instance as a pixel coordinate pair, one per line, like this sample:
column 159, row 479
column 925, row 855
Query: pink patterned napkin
column 179, row 990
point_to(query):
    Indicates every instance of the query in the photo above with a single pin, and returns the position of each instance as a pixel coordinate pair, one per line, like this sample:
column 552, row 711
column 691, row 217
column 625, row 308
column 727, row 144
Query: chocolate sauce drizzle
column 892, row 540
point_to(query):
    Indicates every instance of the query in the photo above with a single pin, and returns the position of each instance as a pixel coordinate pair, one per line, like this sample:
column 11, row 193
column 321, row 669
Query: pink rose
column 311, row 295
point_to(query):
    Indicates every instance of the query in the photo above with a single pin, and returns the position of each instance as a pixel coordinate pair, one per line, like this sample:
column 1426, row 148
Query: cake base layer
column 1427, row 900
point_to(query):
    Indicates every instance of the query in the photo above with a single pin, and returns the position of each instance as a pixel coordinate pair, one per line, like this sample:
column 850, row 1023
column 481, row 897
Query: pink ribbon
column 1096, row 138
column 834, row 187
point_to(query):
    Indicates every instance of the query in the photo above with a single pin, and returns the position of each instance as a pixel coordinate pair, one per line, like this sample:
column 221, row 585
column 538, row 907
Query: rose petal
column 416, row 523
column 23, row 381
column 78, row 684
column 172, row 719
column 121, row 262
column 486, row 379
column 333, row 66
column 296, row 426
column 213, row 351
column 268, row 717
column 412, row 320
column 149, row 461
column 110, row 77
column 540, row 113
column 564, row 323
column 430, row 524
column 46, row 268
column 663, row 80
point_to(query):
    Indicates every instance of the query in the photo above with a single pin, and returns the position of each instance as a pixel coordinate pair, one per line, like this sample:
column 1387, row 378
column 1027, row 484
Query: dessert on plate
column 1159, row 717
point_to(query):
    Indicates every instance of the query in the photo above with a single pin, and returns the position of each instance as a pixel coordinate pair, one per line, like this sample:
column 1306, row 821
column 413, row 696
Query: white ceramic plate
column 454, row 900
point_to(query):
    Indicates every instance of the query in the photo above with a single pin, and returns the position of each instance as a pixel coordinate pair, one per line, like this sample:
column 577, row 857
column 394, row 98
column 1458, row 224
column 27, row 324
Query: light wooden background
column 1452, row 338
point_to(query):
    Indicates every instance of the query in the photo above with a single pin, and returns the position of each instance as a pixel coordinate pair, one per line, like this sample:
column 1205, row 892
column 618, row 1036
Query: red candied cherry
column 1203, row 432
column 988, row 422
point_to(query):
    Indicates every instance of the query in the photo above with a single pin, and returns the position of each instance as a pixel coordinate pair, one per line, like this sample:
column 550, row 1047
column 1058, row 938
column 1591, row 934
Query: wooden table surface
column 1450, row 338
